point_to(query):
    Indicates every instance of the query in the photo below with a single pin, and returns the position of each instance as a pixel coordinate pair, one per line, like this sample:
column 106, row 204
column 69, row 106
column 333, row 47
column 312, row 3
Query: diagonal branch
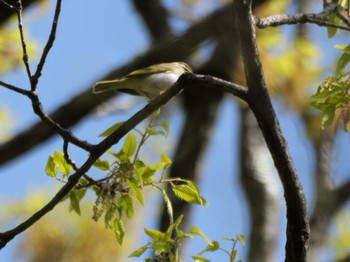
column 260, row 103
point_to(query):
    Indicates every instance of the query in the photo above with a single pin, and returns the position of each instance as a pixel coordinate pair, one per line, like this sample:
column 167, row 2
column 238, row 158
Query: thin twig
column 285, row 19
column 24, row 45
column 15, row 89
column 7, row 4
column 49, row 43
column 66, row 134
column 73, row 164
column 344, row 19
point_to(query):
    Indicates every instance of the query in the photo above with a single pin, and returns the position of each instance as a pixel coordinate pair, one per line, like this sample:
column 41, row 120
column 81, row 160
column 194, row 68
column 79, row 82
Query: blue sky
column 94, row 38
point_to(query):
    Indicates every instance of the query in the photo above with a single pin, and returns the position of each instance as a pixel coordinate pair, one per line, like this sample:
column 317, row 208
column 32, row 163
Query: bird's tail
column 107, row 85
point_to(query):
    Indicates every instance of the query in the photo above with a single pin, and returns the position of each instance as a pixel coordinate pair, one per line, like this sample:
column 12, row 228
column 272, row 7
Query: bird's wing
column 149, row 70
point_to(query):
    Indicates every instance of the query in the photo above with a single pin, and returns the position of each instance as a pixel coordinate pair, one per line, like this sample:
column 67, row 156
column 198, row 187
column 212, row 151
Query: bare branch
column 24, row 45
column 320, row 19
column 48, row 45
column 15, row 89
column 7, row 4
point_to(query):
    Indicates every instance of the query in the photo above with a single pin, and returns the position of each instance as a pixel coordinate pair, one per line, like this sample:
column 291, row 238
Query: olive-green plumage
column 149, row 82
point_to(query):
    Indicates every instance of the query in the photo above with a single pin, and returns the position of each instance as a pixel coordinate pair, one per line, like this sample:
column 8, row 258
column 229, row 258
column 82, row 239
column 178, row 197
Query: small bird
column 149, row 82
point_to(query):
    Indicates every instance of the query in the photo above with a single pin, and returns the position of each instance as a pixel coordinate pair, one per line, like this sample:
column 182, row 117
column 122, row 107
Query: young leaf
column 210, row 248
column 241, row 239
column 102, row 164
column 333, row 19
column 125, row 201
column 196, row 231
column 189, row 194
column 61, row 163
column 155, row 234
column 200, row 259
column 161, row 247
column 129, row 146
column 342, row 62
column 166, row 160
column 233, row 255
column 169, row 206
column 134, row 188
column 165, row 126
column 139, row 252
column 111, row 130
column 154, row 132
column 51, row 167
column 185, row 193
column 119, row 231
column 74, row 202
column 181, row 234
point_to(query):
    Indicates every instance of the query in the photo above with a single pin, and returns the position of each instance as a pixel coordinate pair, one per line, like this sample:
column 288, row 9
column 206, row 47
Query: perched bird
column 148, row 82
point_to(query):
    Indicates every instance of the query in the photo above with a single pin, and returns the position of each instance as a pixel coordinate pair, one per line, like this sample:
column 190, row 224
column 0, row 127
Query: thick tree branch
column 155, row 17
column 260, row 103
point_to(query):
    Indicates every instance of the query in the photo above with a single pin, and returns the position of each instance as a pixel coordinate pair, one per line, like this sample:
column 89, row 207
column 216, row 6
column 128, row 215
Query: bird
column 148, row 82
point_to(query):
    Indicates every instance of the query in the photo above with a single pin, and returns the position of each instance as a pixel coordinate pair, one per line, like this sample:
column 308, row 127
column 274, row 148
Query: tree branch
column 155, row 17
column 49, row 44
column 260, row 103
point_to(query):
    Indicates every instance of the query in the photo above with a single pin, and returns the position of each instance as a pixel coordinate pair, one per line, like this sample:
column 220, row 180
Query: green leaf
column 154, row 132
column 119, row 231
column 241, row 239
column 110, row 213
column 161, row 247
column 333, row 19
column 233, row 255
column 189, row 193
column 181, row 234
column 137, row 192
column 139, row 252
column 125, row 201
column 111, row 130
column 328, row 116
column 185, row 193
column 169, row 206
column 51, row 167
column 211, row 247
column 200, row 259
column 196, row 231
column 342, row 62
column 74, row 202
column 166, row 160
column 61, row 163
column 102, row 164
column 155, row 234
column 165, row 126
column 345, row 48
column 129, row 146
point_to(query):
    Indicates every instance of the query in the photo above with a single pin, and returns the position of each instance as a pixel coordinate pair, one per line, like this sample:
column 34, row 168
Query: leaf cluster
column 166, row 244
column 332, row 99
